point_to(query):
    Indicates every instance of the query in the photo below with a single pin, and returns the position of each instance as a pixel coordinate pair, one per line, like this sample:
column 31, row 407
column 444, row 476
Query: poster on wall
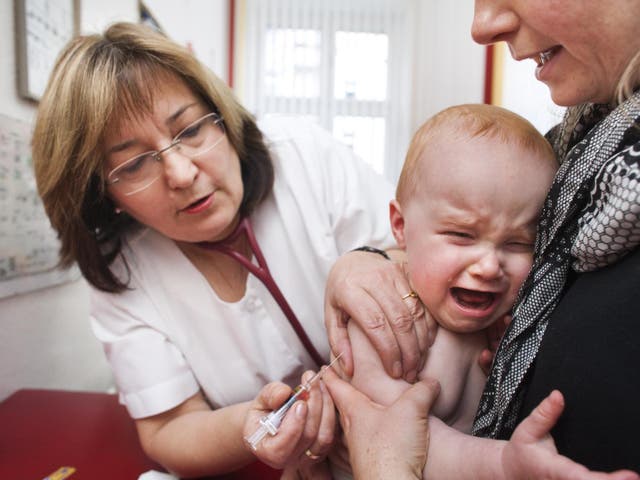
column 28, row 245
column 43, row 27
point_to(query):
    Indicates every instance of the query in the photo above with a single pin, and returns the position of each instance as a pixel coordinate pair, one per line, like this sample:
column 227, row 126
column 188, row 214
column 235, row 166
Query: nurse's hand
column 307, row 431
column 373, row 291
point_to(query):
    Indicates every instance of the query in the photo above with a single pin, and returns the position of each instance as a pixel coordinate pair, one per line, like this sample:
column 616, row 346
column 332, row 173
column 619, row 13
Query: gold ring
column 411, row 294
column 309, row 454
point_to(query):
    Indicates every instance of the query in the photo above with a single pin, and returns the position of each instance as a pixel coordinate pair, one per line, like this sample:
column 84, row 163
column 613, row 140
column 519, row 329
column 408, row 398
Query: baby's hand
column 306, row 432
column 531, row 452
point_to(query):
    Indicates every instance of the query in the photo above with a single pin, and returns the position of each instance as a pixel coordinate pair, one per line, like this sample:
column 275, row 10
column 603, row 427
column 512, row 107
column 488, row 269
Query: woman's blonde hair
column 469, row 121
column 629, row 81
column 98, row 82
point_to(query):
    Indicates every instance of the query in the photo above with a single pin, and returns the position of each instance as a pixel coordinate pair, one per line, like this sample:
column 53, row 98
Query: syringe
column 271, row 422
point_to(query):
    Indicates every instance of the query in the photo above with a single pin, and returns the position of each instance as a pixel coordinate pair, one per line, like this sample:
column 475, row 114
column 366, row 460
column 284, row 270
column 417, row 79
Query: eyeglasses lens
column 193, row 141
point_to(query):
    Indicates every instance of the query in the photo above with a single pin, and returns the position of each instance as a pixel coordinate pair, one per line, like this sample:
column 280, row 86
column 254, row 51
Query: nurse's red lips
column 199, row 205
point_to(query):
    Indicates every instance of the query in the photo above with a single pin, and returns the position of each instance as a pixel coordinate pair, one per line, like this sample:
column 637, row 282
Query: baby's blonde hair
column 469, row 121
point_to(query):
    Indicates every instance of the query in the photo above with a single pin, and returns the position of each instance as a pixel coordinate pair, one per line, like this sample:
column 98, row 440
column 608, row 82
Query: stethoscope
column 261, row 271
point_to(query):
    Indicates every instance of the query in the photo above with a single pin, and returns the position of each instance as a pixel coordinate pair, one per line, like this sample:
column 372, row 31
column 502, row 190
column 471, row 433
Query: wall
column 45, row 340
column 448, row 66
column 95, row 15
column 201, row 25
column 518, row 77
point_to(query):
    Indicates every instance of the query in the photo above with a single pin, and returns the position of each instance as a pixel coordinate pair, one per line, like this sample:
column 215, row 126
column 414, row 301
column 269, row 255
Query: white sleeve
column 151, row 374
column 348, row 191
column 356, row 196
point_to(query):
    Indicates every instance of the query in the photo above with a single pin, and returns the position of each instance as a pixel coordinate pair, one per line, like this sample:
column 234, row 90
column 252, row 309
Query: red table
column 43, row 430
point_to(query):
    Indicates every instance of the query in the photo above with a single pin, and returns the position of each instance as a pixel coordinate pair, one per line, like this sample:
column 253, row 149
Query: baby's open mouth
column 473, row 298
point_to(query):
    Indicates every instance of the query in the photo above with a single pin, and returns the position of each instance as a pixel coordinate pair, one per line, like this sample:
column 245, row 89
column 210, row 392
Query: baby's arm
column 369, row 375
column 452, row 360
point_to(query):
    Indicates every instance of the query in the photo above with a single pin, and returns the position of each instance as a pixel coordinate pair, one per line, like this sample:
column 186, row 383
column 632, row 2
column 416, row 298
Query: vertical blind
column 345, row 64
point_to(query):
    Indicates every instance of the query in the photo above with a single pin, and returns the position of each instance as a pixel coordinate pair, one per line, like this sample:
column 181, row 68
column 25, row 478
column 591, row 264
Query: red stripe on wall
column 488, row 76
column 232, row 26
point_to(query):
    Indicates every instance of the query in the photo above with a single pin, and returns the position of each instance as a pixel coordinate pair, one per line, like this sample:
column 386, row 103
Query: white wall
column 95, row 15
column 448, row 66
column 523, row 94
column 201, row 25
column 45, row 340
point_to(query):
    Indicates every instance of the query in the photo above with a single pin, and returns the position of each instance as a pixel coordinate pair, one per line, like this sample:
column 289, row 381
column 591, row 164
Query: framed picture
column 147, row 18
column 43, row 27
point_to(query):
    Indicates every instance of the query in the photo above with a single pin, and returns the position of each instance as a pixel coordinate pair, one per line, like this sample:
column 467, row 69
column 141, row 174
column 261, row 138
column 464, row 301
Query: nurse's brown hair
column 98, row 82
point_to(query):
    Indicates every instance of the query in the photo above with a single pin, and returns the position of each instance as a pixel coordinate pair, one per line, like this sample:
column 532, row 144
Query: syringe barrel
column 270, row 423
column 289, row 403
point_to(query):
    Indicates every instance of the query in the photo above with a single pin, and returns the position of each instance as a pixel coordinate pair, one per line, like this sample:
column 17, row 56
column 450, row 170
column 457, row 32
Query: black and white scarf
column 590, row 219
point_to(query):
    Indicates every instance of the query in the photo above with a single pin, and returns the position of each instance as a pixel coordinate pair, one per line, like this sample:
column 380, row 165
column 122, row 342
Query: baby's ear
column 397, row 222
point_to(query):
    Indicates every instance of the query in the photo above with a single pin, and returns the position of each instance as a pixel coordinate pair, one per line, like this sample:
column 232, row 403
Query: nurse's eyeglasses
column 141, row 171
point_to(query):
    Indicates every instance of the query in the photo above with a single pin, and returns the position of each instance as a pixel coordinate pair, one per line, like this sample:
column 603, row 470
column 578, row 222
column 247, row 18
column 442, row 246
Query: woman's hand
column 307, row 431
column 385, row 442
column 531, row 451
column 369, row 290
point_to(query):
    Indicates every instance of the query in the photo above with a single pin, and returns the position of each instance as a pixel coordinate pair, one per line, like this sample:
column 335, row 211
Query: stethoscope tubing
column 261, row 271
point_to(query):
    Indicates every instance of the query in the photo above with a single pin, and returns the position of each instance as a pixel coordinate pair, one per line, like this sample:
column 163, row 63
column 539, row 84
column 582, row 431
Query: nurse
column 163, row 189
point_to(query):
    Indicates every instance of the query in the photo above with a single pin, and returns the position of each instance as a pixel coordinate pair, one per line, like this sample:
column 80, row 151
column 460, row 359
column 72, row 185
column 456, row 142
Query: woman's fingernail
column 300, row 410
column 411, row 376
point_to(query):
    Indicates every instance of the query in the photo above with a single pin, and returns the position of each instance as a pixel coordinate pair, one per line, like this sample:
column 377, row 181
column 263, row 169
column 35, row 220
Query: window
column 292, row 63
column 346, row 65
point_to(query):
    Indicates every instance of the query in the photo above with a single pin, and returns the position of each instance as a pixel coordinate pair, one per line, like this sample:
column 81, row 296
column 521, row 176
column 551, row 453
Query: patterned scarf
column 590, row 219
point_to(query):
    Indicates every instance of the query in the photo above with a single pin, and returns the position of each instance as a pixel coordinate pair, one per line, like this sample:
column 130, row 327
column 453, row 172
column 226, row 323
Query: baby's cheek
column 524, row 267
column 423, row 284
column 519, row 274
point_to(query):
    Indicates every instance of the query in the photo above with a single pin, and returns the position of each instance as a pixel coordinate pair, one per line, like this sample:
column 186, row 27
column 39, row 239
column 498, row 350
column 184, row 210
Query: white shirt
column 170, row 335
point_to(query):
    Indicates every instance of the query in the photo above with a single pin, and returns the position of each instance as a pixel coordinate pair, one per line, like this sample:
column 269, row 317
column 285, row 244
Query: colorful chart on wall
column 28, row 245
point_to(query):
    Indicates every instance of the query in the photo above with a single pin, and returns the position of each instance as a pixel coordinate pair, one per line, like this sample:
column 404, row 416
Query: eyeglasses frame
column 157, row 154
